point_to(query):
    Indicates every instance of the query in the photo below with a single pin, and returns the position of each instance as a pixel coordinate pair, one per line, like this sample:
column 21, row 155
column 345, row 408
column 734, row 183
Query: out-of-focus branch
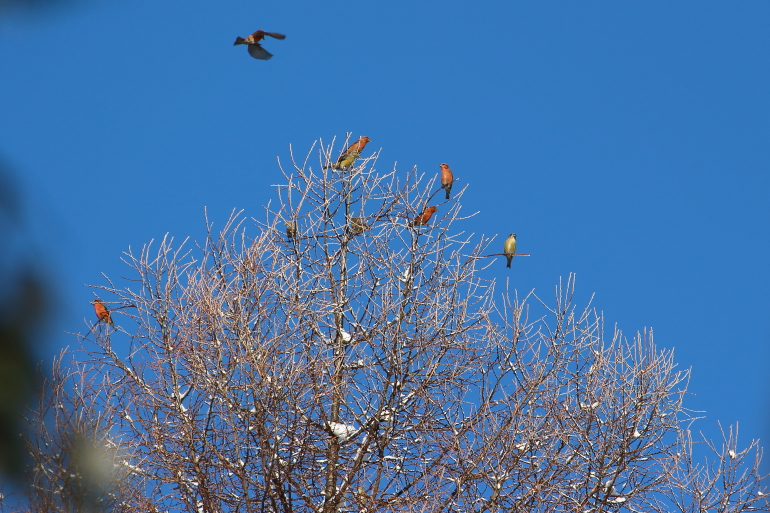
column 22, row 317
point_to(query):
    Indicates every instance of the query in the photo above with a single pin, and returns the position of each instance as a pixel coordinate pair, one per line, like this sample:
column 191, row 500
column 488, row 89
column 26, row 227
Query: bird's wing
column 275, row 35
column 258, row 52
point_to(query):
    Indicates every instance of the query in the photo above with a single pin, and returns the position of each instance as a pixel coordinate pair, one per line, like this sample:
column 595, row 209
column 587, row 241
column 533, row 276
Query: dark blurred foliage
column 22, row 312
column 22, row 305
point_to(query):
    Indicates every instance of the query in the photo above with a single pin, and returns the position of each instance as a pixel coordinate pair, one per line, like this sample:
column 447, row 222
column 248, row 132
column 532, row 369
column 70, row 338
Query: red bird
column 102, row 312
column 446, row 179
column 255, row 49
column 351, row 154
column 423, row 218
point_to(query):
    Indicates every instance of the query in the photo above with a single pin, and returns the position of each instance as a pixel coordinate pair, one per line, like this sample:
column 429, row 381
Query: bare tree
column 337, row 356
column 78, row 462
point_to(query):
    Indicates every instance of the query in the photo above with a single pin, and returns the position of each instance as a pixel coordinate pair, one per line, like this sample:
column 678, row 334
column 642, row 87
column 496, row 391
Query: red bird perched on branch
column 102, row 312
column 255, row 49
column 350, row 155
column 446, row 179
column 423, row 218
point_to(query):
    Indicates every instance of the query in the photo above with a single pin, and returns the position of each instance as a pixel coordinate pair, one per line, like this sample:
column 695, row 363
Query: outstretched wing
column 275, row 35
column 258, row 52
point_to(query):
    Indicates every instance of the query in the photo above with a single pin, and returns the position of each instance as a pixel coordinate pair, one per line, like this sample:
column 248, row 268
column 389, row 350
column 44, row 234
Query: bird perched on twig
column 357, row 225
column 255, row 49
column 291, row 230
column 102, row 312
column 509, row 248
column 351, row 154
column 446, row 179
column 422, row 219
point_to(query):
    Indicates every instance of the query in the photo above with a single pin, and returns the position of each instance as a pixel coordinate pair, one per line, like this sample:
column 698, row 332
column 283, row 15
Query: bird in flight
column 255, row 49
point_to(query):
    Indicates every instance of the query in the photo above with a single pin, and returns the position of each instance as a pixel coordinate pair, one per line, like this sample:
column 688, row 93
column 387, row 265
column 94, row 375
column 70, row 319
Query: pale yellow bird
column 509, row 248
column 357, row 225
column 291, row 230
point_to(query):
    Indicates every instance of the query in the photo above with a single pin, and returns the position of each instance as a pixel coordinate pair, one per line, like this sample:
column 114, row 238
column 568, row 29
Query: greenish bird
column 291, row 230
column 509, row 248
column 357, row 225
column 351, row 154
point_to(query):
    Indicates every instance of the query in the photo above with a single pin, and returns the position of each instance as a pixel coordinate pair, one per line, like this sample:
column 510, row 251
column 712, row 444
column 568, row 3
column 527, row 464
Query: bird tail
column 239, row 41
column 509, row 262
column 447, row 192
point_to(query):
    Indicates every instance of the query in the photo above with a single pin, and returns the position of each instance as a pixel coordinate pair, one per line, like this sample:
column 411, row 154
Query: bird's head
column 431, row 209
column 365, row 139
column 443, row 166
column 96, row 301
column 512, row 236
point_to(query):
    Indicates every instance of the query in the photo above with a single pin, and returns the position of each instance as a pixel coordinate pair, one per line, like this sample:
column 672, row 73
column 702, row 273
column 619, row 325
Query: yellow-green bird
column 351, row 154
column 291, row 230
column 509, row 248
column 357, row 225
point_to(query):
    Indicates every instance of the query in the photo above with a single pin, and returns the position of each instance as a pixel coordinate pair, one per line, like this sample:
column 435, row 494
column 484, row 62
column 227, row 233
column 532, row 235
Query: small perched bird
column 446, row 179
column 350, row 155
column 423, row 218
column 357, row 225
column 291, row 230
column 102, row 312
column 509, row 248
column 255, row 49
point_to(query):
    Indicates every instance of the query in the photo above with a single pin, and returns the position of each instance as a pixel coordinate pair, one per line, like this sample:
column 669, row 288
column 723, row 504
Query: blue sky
column 625, row 142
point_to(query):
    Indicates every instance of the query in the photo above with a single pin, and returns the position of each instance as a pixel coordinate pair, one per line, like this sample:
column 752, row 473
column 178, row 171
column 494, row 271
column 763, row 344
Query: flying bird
column 509, row 248
column 255, row 49
column 350, row 155
column 446, row 179
column 102, row 312
column 423, row 218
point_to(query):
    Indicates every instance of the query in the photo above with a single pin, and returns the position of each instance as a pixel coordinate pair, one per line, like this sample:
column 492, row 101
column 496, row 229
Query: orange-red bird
column 255, row 49
column 350, row 155
column 423, row 218
column 102, row 312
column 446, row 179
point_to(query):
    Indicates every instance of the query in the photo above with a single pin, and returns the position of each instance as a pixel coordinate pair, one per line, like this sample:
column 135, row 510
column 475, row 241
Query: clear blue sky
column 625, row 142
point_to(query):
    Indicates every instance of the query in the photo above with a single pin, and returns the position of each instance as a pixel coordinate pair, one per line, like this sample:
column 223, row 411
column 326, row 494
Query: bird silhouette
column 255, row 49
